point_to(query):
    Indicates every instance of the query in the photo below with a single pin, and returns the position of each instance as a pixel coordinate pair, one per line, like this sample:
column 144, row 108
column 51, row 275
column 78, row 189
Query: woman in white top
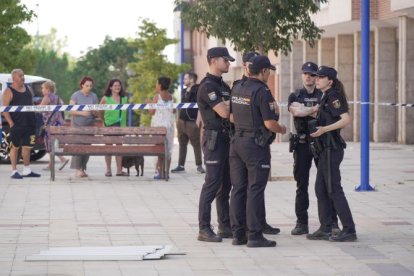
column 165, row 118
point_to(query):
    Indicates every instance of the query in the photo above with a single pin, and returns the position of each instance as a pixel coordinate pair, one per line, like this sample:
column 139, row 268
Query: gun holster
column 293, row 141
column 211, row 139
column 264, row 137
column 316, row 147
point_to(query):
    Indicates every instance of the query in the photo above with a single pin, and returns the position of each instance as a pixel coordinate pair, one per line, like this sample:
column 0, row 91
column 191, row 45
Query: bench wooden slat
column 121, row 140
column 108, row 130
column 111, row 150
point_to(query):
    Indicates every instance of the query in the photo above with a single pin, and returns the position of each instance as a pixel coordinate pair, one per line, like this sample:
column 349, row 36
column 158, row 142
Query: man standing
column 22, row 124
column 186, row 125
column 303, row 104
column 254, row 113
column 213, row 102
column 247, row 56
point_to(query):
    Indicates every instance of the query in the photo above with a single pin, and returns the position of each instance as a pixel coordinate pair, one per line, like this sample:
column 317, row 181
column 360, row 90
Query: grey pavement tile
column 212, row 272
column 72, row 268
column 361, row 251
column 37, row 214
column 391, row 269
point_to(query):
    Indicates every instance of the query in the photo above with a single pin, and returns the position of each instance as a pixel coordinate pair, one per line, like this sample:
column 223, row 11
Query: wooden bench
column 121, row 141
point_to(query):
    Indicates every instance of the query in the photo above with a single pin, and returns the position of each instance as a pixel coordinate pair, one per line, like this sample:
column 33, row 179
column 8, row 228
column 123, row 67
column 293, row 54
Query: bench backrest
column 104, row 135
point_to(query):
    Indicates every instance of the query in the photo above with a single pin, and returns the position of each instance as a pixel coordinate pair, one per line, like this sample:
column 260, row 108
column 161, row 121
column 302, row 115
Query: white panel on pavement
column 113, row 253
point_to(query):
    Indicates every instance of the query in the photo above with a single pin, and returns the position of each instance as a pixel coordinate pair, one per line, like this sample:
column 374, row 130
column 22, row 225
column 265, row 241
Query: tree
column 151, row 63
column 53, row 63
column 13, row 38
column 106, row 62
column 262, row 25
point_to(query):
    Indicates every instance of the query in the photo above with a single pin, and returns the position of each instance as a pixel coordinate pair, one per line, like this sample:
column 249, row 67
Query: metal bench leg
column 166, row 160
column 52, row 164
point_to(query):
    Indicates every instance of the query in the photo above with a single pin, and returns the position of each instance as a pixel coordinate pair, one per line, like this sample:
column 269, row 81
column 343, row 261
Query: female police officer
column 333, row 115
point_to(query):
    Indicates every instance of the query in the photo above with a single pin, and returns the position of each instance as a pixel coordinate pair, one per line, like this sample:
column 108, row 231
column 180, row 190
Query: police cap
column 260, row 62
column 309, row 67
column 248, row 55
column 325, row 71
column 219, row 52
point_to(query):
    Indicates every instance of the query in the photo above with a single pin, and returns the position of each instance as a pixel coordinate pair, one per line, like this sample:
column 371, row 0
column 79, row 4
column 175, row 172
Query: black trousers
column 250, row 168
column 336, row 197
column 303, row 158
column 217, row 183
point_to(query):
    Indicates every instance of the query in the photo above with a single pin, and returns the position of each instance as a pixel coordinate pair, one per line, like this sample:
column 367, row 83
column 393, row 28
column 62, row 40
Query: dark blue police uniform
column 302, row 154
column 212, row 91
column 251, row 104
column 328, row 180
column 303, row 157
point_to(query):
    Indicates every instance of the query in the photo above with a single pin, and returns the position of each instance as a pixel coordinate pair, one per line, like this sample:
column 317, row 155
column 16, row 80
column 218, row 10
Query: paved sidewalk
column 36, row 214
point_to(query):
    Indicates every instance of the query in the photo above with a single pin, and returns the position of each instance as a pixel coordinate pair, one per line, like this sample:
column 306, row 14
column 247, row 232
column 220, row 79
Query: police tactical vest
column 309, row 100
column 211, row 119
column 246, row 115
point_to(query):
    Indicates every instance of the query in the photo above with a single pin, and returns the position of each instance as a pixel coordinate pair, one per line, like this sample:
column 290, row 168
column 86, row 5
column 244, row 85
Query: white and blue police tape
column 382, row 104
column 96, row 107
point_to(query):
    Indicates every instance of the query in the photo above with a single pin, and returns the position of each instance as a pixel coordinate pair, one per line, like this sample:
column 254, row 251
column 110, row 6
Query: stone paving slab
column 36, row 214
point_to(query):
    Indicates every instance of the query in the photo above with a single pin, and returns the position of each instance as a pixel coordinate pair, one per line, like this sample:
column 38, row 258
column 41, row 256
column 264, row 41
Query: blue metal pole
column 365, row 77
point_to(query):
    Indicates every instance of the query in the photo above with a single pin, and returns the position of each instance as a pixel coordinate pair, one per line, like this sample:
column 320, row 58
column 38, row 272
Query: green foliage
column 53, row 66
column 106, row 62
column 151, row 64
column 13, row 38
column 262, row 24
column 52, row 63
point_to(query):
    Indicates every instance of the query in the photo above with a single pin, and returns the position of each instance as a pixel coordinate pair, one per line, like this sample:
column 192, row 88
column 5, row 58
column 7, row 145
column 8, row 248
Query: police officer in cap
column 253, row 111
column 213, row 103
column 333, row 115
column 303, row 104
column 247, row 56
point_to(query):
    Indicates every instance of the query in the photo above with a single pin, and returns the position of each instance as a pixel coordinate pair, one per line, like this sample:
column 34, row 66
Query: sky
column 85, row 23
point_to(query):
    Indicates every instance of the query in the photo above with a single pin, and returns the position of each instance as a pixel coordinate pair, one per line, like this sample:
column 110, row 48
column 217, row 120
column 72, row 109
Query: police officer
column 303, row 104
column 332, row 116
column 253, row 111
column 247, row 56
column 213, row 103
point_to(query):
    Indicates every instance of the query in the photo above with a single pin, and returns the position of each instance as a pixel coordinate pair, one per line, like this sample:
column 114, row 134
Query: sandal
column 108, row 174
column 122, row 174
column 81, row 175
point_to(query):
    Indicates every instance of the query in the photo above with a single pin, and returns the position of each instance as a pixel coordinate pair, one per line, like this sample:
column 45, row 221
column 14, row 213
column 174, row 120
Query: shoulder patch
column 336, row 104
column 212, row 96
column 272, row 106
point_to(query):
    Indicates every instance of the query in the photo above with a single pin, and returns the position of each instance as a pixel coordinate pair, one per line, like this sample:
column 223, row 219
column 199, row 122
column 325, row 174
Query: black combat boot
column 344, row 236
column 261, row 242
column 319, row 234
column 225, row 232
column 300, row 229
column 269, row 230
column 207, row 234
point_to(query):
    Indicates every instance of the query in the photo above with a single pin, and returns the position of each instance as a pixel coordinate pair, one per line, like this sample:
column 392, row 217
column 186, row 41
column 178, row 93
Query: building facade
column 391, row 64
